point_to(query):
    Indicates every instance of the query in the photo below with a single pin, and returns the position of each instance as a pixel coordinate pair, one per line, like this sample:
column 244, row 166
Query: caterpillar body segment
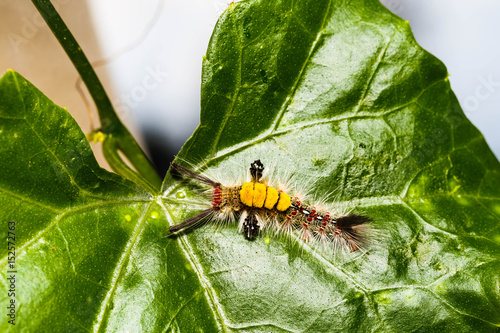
column 259, row 195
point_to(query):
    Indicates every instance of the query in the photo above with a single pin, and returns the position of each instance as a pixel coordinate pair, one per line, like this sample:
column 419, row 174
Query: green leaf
column 90, row 252
column 339, row 92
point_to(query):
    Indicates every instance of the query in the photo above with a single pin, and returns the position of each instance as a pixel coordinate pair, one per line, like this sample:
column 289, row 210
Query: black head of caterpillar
column 260, row 207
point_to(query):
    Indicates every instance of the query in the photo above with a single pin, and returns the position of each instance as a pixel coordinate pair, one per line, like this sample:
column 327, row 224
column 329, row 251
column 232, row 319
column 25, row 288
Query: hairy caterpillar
column 259, row 206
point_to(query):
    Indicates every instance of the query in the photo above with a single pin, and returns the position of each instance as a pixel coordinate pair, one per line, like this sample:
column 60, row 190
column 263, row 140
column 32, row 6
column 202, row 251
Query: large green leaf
column 338, row 91
column 89, row 246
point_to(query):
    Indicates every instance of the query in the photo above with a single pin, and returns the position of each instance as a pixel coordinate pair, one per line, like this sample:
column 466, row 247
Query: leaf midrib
column 204, row 281
column 291, row 92
column 119, row 268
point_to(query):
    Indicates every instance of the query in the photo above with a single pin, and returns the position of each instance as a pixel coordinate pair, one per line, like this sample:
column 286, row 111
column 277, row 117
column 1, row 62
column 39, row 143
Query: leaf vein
column 118, row 270
column 189, row 254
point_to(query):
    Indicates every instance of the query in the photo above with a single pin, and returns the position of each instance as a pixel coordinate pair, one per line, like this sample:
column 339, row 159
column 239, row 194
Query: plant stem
column 116, row 133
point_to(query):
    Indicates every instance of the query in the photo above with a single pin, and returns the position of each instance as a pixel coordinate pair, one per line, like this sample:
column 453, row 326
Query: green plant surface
column 90, row 247
column 337, row 91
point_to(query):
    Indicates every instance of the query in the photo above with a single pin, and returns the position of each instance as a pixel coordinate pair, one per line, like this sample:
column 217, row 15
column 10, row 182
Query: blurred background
column 148, row 55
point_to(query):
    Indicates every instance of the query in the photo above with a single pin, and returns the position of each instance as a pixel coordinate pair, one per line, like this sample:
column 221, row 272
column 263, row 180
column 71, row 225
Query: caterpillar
column 260, row 206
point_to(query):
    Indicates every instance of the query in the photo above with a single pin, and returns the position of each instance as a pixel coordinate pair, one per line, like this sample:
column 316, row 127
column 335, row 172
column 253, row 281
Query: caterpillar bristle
column 190, row 222
column 265, row 205
column 251, row 226
column 188, row 173
column 352, row 220
column 256, row 169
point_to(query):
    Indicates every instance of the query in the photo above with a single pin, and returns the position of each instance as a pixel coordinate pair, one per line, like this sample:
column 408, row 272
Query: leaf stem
column 115, row 132
column 110, row 152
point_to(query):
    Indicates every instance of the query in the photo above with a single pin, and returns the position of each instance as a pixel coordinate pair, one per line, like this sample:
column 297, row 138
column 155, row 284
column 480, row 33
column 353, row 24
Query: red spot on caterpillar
column 337, row 232
column 305, row 225
column 324, row 224
column 326, row 217
column 309, row 219
column 321, row 229
column 217, row 197
column 297, row 202
column 294, row 212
